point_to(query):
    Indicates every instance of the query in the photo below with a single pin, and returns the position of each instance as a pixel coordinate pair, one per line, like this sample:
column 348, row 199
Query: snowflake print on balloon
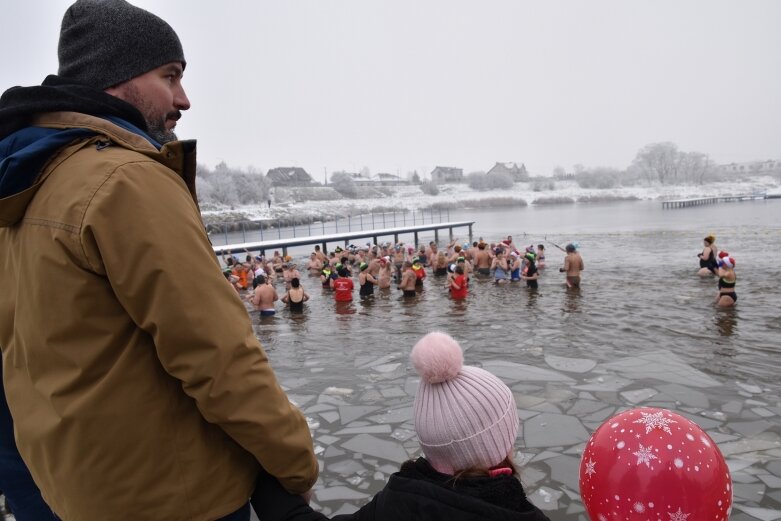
column 645, row 455
column 655, row 421
column 590, row 467
column 678, row 516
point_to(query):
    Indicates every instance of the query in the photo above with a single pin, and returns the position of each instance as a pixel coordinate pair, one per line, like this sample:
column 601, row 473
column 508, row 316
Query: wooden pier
column 700, row 201
column 345, row 238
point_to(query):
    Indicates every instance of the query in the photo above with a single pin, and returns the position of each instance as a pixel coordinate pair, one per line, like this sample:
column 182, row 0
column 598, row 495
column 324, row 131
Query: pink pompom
column 437, row 357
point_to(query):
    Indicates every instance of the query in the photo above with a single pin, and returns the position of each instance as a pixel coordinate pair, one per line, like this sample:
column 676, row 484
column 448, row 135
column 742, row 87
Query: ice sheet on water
column 764, row 514
column 369, row 429
column 750, row 428
column 373, row 446
column 604, row 383
column 346, row 467
column 570, row 365
column 549, row 430
column 661, row 365
column 546, row 498
column 327, row 439
column 746, row 445
column 638, row 395
column 565, row 469
column 749, row 388
column 514, row 372
column 397, row 415
column 685, row 395
column 349, row 413
column 749, row 491
column 339, row 493
column 393, row 392
column 585, row 406
column 770, row 481
column 338, row 391
column 330, row 416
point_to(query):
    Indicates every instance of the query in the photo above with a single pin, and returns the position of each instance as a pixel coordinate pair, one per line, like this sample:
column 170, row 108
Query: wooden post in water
column 436, row 235
column 416, row 240
column 470, row 234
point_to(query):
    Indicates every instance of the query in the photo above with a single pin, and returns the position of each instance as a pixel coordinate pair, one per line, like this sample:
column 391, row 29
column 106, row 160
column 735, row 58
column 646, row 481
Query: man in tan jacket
column 135, row 393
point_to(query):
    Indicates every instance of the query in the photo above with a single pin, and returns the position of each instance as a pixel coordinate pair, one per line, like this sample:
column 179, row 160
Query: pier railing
column 700, row 201
column 269, row 229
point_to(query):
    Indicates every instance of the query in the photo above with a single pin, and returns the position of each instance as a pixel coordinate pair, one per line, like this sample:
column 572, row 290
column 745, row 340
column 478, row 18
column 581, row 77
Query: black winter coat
column 416, row 493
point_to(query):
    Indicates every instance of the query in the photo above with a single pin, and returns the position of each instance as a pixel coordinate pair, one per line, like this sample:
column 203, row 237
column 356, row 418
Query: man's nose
column 181, row 102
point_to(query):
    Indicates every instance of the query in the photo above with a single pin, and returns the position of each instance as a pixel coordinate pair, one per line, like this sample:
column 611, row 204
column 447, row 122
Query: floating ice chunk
column 770, row 481
column 750, row 491
column 312, row 423
column 378, row 476
column 685, row 395
column 749, row 388
column 373, row 446
column 746, row 445
column 765, row 514
column 532, row 475
column 397, row 415
column 339, row 493
column 570, row 365
column 761, row 411
column 546, row 498
column 750, row 428
column 402, row 434
column 733, row 407
column 330, row 416
column 386, row 368
column 320, row 407
column 369, row 429
column 549, row 430
column 609, row 383
column 338, row 391
column 355, row 480
column 346, row 467
column 565, row 469
column 639, row 395
column 544, row 455
column 661, row 365
column 318, row 449
column 585, row 406
column 345, row 510
column 327, row 439
column 513, row 372
column 349, row 413
column 393, row 392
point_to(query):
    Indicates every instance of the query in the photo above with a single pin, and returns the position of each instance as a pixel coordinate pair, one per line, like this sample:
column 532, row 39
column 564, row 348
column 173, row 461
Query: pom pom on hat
column 437, row 358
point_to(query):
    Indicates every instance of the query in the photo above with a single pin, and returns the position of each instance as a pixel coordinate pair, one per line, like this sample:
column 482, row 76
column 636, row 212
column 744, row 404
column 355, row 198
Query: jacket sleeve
column 142, row 230
column 271, row 502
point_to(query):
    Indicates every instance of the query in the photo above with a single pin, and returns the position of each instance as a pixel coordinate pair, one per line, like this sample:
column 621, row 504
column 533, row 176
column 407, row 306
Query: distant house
column 758, row 167
column 289, row 176
column 385, row 179
column 518, row 173
column 446, row 174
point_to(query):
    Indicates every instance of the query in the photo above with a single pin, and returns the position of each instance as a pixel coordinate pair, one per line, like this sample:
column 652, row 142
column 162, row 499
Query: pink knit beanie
column 465, row 417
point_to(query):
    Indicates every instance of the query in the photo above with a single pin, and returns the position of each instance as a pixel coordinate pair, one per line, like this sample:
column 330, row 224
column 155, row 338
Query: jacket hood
column 19, row 105
column 26, row 154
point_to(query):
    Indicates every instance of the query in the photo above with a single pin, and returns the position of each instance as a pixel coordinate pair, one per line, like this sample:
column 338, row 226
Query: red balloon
column 652, row 464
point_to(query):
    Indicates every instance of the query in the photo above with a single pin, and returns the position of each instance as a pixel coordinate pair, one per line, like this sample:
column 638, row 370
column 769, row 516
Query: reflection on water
column 726, row 321
column 642, row 330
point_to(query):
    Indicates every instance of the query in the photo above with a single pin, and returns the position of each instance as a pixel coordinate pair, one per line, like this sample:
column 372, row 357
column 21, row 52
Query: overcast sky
column 409, row 84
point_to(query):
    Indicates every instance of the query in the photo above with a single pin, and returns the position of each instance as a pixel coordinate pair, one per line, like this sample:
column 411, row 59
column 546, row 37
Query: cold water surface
column 642, row 331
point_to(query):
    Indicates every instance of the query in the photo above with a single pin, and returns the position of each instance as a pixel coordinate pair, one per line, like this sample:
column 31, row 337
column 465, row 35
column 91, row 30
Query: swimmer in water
column 366, row 280
column 531, row 274
column 263, row 297
column 459, row 286
column 727, row 280
column 440, row 264
column 483, row 260
column 500, row 267
column 540, row 256
column 343, row 286
column 709, row 263
column 315, row 265
column 327, row 275
column 385, row 275
column 408, row 280
column 295, row 296
column 573, row 265
column 420, row 272
column 515, row 266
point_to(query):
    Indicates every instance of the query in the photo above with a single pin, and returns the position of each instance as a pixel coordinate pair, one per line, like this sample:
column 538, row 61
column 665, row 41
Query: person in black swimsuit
column 531, row 274
column 295, row 296
column 709, row 264
column 366, row 281
column 727, row 280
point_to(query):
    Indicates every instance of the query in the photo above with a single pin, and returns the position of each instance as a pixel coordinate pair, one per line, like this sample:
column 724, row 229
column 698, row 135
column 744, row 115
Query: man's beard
column 157, row 131
column 155, row 123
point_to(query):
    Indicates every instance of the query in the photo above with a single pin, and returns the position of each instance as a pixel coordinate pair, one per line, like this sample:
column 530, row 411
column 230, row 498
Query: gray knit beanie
column 106, row 42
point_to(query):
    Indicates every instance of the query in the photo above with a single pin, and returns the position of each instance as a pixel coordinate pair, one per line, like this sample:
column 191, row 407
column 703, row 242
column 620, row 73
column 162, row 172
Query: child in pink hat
column 467, row 422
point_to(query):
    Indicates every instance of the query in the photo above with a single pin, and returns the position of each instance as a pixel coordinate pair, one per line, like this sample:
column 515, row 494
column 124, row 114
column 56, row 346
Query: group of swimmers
column 722, row 265
column 382, row 266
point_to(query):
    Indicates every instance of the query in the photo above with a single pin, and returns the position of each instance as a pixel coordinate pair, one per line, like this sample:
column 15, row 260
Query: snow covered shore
column 408, row 198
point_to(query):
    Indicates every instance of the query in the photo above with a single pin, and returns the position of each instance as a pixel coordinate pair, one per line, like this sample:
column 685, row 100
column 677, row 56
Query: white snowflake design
column 678, row 516
column 645, row 455
column 590, row 467
column 655, row 421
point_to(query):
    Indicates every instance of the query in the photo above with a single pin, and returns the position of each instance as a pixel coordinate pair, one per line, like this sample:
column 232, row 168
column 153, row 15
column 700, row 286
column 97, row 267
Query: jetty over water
column 345, row 238
column 700, row 201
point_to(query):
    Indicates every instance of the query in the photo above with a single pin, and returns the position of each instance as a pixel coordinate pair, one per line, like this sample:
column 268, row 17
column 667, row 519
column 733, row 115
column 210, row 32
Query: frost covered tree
column 666, row 164
column 429, row 188
column 344, row 183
